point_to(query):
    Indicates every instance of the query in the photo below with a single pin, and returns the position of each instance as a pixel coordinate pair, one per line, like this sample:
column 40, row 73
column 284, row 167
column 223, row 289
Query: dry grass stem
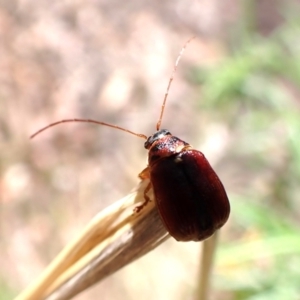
column 209, row 247
column 114, row 238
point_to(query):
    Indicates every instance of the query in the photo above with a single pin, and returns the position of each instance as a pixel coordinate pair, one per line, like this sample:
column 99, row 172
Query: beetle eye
column 148, row 143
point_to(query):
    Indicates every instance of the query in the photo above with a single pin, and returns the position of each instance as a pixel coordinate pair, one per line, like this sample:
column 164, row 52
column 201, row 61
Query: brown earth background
column 111, row 61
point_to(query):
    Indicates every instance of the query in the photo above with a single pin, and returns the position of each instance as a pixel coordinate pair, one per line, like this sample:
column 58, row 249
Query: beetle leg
column 145, row 174
column 138, row 208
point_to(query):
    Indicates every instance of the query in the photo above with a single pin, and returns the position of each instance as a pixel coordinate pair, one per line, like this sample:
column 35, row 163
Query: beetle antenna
column 87, row 121
column 118, row 127
column 170, row 82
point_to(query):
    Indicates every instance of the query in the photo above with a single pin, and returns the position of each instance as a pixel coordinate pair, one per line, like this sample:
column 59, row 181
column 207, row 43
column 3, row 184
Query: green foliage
column 255, row 91
column 6, row 291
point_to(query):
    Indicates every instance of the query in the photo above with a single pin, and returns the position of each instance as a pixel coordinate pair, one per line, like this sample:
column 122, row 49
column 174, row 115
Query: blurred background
column 235, row 97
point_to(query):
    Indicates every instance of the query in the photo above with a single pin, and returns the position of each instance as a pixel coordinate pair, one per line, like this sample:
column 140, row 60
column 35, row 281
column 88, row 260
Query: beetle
column 190, row 198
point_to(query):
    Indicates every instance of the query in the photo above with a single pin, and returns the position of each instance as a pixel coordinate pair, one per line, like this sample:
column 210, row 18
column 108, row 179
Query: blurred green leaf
column 255, row 90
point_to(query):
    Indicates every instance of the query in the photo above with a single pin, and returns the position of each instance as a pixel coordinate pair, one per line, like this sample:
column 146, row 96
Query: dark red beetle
column 189, row 195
